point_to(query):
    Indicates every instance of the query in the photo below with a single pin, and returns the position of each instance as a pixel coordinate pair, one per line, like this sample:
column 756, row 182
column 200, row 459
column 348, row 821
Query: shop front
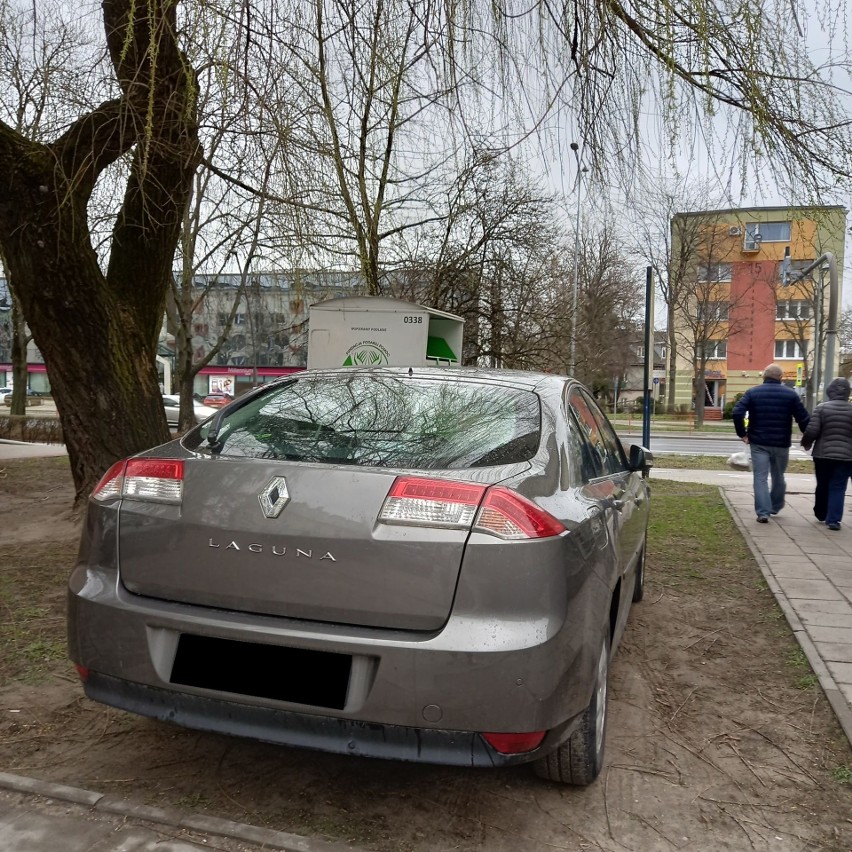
column 236, row 381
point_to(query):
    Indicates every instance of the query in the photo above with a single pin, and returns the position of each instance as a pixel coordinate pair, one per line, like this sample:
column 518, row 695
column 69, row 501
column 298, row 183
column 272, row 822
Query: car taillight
column 152, row 480
column 416, row 501
column 423, row 502
column 111, row 483
column 515, row 743
column 510, row 516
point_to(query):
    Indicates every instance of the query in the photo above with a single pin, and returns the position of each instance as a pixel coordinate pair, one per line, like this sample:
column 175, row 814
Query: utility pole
column 573, row 366
column 648, row 376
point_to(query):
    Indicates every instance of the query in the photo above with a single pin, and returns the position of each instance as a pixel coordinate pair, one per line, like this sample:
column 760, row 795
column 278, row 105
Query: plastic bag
column 741, row 460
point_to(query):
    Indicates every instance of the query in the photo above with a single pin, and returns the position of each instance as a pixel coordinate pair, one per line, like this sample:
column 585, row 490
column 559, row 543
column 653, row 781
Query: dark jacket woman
column 829, row 431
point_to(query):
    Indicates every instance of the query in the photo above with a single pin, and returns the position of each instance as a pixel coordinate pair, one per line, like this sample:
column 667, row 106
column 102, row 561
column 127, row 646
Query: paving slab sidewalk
column 807, row 567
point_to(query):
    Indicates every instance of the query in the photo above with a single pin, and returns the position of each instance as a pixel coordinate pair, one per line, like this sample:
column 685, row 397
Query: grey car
column 419, row 564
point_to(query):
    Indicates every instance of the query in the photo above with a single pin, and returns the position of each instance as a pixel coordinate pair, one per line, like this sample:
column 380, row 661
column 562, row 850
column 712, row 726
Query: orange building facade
column 735, row 305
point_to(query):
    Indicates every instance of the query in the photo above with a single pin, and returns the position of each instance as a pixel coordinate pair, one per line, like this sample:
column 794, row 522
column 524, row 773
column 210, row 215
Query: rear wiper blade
column 216, row 423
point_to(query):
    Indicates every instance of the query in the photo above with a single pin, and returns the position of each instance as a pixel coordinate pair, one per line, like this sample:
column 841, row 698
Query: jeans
column 769, row 463
column 831, row 478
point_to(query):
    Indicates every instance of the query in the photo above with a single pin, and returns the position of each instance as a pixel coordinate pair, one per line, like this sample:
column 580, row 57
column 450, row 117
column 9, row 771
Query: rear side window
column 613, row 453
column 602, row 453
column 384, row 421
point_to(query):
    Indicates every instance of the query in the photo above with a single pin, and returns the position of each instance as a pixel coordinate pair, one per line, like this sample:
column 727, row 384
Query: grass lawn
column 680, row 462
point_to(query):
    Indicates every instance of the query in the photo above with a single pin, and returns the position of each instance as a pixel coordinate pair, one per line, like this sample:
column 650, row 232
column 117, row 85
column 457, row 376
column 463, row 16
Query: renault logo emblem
column 274, row 497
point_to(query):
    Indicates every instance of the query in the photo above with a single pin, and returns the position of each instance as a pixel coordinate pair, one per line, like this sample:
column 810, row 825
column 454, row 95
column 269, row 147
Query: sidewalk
column 24, row 450
column 806, row 566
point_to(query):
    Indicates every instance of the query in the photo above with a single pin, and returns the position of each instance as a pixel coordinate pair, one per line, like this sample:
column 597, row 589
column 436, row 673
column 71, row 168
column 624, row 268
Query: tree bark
column 98, row 330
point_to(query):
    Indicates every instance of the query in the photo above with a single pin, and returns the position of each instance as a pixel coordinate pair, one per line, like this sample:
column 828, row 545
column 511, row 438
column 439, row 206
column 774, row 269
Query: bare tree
column 365, row 77
column 87, row 322
column 669, row 244
column 844, row 336
column 707, row 313
column 798, row 309
column 495, row 256
column 609, row 302
column 37, row 65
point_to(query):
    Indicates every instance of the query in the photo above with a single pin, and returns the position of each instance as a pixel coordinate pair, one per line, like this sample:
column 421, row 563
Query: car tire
column 639, row 587
column 579, row 760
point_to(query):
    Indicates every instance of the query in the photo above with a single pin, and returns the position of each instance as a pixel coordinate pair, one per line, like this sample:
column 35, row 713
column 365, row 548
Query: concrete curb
column 832, row 691
column 99, row 802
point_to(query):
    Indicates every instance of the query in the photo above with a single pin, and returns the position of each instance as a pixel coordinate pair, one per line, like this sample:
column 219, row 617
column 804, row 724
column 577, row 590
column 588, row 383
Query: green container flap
column 438, row 349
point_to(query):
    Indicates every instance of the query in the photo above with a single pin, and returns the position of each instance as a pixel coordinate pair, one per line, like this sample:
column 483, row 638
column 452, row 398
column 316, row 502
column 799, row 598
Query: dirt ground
column 718, row 738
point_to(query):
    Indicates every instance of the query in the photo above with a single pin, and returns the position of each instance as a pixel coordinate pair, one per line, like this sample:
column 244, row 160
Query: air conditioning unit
column 735, row 231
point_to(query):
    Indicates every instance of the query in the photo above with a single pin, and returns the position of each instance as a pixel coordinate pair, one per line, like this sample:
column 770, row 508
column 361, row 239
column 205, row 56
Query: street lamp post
column 573, row 366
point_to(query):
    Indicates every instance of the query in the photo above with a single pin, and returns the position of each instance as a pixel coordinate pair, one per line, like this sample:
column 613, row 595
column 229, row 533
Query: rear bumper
column 323, row 733
column 410, row 695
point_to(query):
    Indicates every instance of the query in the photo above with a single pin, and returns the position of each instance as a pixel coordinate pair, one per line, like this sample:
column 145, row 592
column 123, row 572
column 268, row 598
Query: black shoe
column 762, row 519
column 833, row 526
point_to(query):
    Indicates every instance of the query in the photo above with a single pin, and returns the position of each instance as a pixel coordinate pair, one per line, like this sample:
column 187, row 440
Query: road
column 696, row 445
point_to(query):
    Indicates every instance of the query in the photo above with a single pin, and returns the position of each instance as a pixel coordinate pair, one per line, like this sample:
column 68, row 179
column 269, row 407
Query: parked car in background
column 217, row 400
column 7, row 391
column 172, row 406
column 426, row 564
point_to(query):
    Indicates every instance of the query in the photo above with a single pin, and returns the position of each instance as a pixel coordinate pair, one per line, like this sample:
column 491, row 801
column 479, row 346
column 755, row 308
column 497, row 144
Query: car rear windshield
column 384, row 421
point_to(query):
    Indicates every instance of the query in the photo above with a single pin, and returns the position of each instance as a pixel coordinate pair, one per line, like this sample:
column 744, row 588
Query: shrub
column 39, row 430
column 728, row 413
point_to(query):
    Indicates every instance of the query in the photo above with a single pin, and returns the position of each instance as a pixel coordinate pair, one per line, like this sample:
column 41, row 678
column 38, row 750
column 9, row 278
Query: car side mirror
column 640, row 458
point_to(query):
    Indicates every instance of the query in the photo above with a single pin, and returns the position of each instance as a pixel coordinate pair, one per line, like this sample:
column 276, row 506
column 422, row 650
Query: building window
column 715, row 272
column 239, row 319
column 713, row 350
column 766, row 232
column 788, row 349
column 793, row 309
column 713, row 312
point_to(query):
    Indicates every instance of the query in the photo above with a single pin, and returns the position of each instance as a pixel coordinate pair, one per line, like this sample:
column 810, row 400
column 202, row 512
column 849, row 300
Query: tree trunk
column 100, row 363
column 672, row 375
column 186, row 419
column 700, row 386
column 98, row 331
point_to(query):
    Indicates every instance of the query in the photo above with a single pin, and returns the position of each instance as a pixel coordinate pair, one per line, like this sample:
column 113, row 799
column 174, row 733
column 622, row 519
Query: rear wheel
column 639, row 588
column 579, row 759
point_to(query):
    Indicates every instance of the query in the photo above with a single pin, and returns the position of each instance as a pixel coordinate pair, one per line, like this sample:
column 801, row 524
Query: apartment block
column 740, row 300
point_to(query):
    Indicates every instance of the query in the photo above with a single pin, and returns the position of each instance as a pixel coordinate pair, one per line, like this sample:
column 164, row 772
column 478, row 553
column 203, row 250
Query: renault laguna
column 419, row 564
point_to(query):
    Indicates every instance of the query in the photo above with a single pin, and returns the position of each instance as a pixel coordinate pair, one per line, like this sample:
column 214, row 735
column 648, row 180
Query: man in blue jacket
column 771, row 408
